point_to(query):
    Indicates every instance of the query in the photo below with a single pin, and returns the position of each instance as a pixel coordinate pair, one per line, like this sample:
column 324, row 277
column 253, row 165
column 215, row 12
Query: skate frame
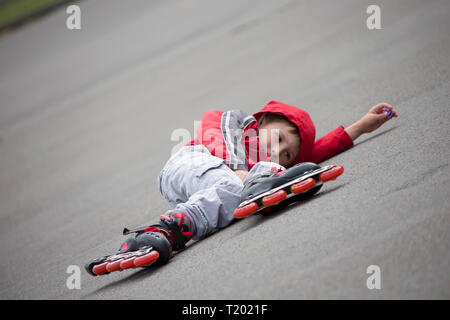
column 127, row 255
column 288, row 184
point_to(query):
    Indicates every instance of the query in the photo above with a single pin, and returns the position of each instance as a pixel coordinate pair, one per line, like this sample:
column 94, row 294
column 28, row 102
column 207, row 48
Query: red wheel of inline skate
column 127, row 263
column 146, row 259
column 303, row 186
column 245, row 211
column 114, row 265
column 274, row 198
column 99, row 269
column 331, row 174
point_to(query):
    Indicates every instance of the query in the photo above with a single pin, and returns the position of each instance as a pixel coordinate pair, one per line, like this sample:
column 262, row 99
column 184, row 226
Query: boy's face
column 280, row 140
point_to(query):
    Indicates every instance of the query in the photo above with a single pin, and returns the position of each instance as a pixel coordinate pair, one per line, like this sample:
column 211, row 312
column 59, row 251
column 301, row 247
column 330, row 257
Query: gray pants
column 203, row 188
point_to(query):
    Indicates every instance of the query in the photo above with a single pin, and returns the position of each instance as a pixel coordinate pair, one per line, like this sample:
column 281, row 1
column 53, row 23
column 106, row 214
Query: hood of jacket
column 298, row 117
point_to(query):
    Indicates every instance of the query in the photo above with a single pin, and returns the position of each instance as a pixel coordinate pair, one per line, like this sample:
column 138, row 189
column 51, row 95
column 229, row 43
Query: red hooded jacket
column 233, row 136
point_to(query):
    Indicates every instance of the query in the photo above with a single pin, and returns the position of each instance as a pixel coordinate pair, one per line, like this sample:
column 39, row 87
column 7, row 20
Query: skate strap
column 175, row 230
column 127, row 231
column 167, row 223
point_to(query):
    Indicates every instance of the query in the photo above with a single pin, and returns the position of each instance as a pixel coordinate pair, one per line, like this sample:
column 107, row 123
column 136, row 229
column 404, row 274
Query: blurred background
column 86, row 117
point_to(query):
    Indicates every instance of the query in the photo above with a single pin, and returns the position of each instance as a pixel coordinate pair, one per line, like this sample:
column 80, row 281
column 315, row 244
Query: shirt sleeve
column 232, row 125
column 331, row 144
column 221, row 133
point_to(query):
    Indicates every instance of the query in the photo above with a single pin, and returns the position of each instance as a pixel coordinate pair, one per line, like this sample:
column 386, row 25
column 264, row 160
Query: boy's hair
column 273, row 117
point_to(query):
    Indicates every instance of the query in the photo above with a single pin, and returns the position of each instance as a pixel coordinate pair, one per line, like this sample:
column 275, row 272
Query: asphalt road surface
column 86, row 123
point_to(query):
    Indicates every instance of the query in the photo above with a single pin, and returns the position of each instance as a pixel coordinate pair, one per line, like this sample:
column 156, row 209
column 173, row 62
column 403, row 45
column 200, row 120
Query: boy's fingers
column 381, row 106
column 385, row 108
column 383, row 117
column 393, row 111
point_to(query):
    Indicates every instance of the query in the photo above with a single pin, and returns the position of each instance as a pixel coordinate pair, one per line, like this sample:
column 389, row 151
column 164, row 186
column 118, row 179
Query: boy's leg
column 203, row 188
column 202, row 193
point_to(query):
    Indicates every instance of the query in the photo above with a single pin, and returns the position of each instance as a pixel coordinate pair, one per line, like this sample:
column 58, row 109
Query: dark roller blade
column 277, row 188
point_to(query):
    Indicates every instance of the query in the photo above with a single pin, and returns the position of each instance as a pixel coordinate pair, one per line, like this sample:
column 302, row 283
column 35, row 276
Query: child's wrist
column 355, row 130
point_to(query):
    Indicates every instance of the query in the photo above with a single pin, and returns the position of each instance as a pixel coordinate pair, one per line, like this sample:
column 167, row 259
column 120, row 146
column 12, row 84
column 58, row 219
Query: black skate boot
column 154, row 244
column 272, row 188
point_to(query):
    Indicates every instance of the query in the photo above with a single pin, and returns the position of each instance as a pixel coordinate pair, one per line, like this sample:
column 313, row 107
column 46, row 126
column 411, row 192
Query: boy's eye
column 288, row 156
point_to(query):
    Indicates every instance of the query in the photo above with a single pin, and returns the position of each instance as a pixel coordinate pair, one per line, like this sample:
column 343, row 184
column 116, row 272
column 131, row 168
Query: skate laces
column 276, row 171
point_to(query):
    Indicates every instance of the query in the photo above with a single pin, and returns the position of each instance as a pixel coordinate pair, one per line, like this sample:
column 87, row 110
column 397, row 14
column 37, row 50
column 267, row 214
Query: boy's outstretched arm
column 341, row 138
column 371, row 121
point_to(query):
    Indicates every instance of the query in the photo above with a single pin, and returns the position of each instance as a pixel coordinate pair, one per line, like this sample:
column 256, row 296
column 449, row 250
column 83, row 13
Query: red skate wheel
column 245, row 211
column 146, row 259
column 274, row 198
column 114, row 266
column 127, row 263
column 331, row 174
column 99, row 269
column 303, row 186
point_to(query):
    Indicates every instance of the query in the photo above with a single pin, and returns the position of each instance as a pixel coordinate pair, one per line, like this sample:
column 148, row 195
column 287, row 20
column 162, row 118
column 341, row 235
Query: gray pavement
column 86, row 119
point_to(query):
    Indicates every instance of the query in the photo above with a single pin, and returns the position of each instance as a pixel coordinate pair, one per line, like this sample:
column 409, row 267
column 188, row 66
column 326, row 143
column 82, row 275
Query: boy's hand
column 371, row 121
column 376, row 117
column 241, row 174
